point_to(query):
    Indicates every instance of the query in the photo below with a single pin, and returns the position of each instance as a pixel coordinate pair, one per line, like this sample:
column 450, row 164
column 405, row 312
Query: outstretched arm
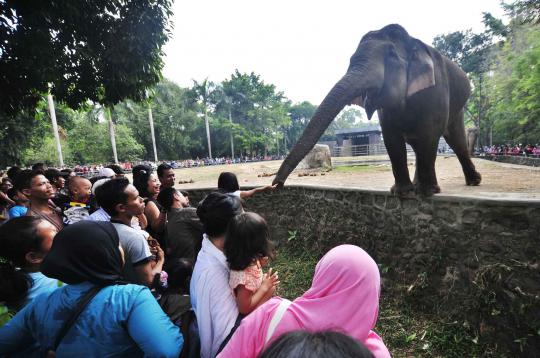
column 244, row 194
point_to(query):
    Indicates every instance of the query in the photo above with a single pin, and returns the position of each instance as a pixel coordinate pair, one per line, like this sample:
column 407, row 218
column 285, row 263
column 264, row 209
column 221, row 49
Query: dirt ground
column 498, row 180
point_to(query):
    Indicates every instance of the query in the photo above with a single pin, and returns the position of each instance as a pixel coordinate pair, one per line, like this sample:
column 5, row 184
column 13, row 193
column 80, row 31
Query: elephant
column 472, row 137
column 419, row 95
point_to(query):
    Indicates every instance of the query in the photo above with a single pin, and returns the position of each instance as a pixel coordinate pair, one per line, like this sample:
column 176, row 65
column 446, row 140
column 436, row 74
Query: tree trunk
column 207, row 132
column 52, row 113
column 151, row 120
column 111, row 132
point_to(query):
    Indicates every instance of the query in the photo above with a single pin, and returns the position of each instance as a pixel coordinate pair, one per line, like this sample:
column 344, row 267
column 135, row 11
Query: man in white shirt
column 212, row 298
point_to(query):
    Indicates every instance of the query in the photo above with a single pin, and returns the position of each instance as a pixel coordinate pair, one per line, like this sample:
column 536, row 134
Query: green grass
column 355, row 168
column 405, row 331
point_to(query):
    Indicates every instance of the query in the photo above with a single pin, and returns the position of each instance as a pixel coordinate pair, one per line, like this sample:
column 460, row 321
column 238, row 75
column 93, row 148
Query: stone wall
column 514, row 159
column 462, row 258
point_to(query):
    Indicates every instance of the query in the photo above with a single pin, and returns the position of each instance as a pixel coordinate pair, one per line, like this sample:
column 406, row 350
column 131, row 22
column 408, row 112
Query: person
column 40, row 167
column 21, row 203
column 184, row 229
column 166, row 175
column 5, row 201
column 24, row 242
column 211, row 298
column 228, row 183
column 56, row 179
column 176, row 303
column 37, row 188
column 77, row 205
column 114, row 322
column 303, row 344
column 122, row 202
column 13, row 172
column 345, row 271
column 148, row 186
column 118, row 171
column 247, row 248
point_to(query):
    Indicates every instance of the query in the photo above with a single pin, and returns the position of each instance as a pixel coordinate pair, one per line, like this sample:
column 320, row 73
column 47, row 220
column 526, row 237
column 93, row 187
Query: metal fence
column 359, row 150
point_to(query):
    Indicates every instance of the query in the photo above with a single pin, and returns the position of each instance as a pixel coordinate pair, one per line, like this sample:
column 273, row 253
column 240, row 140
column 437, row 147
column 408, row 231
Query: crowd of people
column 105, row 266
column 528, row 150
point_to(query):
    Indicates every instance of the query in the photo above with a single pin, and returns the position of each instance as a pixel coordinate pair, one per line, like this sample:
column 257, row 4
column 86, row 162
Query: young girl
column 247, row 248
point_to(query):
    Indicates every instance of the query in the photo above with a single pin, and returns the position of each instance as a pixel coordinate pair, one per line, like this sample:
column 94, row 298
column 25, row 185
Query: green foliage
column 300, row 114
column 100, row 50
column 515, row 88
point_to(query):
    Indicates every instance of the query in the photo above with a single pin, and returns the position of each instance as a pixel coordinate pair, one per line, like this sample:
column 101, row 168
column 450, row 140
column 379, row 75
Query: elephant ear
column 420, row 74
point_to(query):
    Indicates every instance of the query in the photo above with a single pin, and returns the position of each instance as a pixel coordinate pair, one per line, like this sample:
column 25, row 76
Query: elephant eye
column 392, row 52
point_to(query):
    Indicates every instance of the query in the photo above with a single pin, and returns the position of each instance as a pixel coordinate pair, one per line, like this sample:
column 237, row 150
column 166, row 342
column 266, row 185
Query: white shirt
column 212, row 298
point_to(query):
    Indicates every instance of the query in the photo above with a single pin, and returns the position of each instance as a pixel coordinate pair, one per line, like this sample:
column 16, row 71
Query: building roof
column 370, row 128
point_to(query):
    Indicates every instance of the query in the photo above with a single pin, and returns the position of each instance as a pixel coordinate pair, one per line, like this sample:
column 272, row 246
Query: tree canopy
column 99, row 50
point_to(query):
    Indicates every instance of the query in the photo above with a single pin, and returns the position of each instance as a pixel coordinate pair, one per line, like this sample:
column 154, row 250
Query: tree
column 300, row 115
column 258, row 111
column 515, row 88
column 202, row 92
column 99, row 50
column 525, row 11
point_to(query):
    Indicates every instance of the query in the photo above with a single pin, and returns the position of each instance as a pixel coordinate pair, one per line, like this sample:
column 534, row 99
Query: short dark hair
column 24, row 179
column 165, row 198
column 247, row 238
column 179, row 272
column 228, row 182
column 302, row 344
column 52, row 174
column 112, row 193
column 116, row 168
column 18, row 236
column 141, row 175
column 39, row 166
column 216, row 210
column 13, row 172
column 161, row 168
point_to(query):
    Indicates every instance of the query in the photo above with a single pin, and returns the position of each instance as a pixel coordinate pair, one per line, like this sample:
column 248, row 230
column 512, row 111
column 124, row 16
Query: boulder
column 318, row 157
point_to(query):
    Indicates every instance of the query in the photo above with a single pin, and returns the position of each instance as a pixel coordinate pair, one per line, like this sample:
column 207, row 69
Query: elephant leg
column 426, row 154
column 455, row 137
column 395, row 146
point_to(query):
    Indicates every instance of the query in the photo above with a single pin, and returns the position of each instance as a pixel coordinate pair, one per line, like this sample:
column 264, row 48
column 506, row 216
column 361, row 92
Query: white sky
column 302, row 47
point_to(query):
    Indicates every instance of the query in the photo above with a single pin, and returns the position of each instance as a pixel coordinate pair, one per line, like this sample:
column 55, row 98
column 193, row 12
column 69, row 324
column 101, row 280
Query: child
column 21, row 203
column 247, row 248
column 228, row 183
column 77, row 205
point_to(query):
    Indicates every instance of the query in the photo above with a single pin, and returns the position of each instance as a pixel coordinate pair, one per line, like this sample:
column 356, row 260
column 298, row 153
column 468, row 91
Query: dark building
column 369, row 135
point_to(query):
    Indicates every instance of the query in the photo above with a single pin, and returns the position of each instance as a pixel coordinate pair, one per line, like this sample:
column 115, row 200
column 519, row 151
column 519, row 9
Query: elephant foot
column 424, row 190
column 403, row 190
column 473, row 179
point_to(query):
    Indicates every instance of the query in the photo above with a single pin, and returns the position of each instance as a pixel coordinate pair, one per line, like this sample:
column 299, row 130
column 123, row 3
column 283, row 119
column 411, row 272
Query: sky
column 302, row 47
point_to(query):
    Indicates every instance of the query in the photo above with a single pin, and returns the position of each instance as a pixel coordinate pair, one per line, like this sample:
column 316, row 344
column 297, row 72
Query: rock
column 319, row 157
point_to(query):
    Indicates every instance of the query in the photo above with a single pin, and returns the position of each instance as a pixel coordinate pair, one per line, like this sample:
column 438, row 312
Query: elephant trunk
column 340, row 95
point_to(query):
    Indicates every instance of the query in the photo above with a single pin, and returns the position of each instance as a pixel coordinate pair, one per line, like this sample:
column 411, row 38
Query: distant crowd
column 104, row 266
column 528, row 150
column 93, row 169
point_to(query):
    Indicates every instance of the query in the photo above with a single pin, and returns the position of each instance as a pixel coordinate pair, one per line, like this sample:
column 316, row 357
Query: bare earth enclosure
column 499, row 180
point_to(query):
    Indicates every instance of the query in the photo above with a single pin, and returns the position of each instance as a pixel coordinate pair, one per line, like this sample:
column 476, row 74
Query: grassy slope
column 406, row 333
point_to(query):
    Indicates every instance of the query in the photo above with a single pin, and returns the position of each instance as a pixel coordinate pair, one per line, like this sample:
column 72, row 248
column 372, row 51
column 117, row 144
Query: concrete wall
column 461, row 258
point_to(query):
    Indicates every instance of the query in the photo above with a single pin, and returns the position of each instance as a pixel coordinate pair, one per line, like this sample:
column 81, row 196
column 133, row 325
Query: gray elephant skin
column 419, row 96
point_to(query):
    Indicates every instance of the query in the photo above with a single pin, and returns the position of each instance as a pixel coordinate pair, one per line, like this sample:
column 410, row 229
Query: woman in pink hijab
column 343, row 297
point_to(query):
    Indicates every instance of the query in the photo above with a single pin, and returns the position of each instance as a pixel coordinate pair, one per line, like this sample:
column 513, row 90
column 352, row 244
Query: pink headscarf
column 344, row 297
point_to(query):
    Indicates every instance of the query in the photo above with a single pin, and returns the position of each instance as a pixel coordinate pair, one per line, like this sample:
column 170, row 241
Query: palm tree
column 52, row 113
column 203, row 91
